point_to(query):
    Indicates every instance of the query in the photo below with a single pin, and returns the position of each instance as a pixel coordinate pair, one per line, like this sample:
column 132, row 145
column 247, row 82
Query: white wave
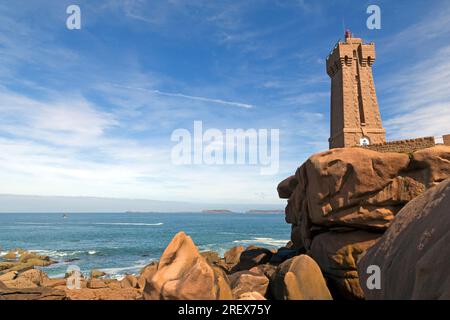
column 36, row 223
column 267, row 241
column 56, row 253
column 91, row 252
column 213, row 247
column 115, row 272
column 129, row 224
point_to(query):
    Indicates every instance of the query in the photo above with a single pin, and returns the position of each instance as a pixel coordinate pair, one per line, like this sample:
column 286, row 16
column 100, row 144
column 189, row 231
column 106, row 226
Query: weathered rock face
column 103, row 294
column 96, row 284
column 251, row 296
column 265, row 269
column 230, row 259
column 414, row 255
column 251, row 257
column 20, row 260
column 233, row 255
column 350, row 189
column 247, row 281
column 9, row 276
column 210, row 256
column 183, row 273
column 147, row 275
column 29, row 279
column 287, row 186
column 300, row 278
column 337, row 254
column 358, row 188
column 39, row 293
column 97, row 273
column 10, row 256
column 129, row 282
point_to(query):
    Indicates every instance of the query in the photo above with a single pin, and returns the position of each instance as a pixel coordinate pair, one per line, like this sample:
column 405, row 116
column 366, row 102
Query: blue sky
column 90, row 112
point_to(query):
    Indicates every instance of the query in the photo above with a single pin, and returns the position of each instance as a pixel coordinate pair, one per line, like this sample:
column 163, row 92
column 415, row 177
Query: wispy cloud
column 427, row 120
column 185, row 96
column 431, row 26
column 60, row 122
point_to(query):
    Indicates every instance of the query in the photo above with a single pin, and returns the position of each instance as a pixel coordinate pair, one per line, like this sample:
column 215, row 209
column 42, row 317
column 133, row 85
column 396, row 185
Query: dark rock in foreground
column 300, row 278
column 414, row 255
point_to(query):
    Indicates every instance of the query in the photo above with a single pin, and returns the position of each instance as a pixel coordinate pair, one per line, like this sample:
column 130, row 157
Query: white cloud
column 430, row 28
column 427, row 120
column 65, row 121
column 419, row 98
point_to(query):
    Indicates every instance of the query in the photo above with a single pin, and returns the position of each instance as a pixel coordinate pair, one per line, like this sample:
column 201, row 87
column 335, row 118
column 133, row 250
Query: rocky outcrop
column 129, row 281
column 251, row 257
column 94, row 283
column 413, row 255
column 105, row 293
column 20, row 260
column 337, row 254
column 184, row 274
column 358, row 188
column 251, row 296
column 233, row 255
column 29, row 279
column 39, row 293
column 267, row 269
column 21, row 281
column 336, row 193
column 246, row 282
column 11, row 255
column 97, row 273
column 147, row 275
column 300, row 278
column 211, row 257
column 8, row 276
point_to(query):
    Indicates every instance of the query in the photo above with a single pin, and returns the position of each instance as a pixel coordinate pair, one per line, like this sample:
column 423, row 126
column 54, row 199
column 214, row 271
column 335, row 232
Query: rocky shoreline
column 181, row 273
column 350, row 209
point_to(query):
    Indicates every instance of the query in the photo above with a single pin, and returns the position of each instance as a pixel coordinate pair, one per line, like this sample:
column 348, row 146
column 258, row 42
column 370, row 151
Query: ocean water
column 123, row 243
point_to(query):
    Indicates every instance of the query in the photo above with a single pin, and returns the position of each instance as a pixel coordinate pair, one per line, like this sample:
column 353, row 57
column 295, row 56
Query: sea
column 124, row 243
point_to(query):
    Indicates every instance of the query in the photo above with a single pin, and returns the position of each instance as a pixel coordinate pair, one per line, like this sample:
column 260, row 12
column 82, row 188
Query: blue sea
column 123, row 243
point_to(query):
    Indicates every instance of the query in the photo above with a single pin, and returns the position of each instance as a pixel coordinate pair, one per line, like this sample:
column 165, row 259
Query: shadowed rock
column 251, row 257
column 300, row 278
column 414, row 255
column 337, row 254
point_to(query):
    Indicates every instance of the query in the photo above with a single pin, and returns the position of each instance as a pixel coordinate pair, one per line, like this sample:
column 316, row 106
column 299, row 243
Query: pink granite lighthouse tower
column 355, row 115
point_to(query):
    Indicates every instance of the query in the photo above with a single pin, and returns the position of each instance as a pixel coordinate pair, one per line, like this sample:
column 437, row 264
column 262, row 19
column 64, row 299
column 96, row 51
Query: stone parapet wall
column 404, row 146
column 446, row 139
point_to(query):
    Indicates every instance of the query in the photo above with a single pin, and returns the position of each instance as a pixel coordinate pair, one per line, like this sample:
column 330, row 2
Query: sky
column 91, row 112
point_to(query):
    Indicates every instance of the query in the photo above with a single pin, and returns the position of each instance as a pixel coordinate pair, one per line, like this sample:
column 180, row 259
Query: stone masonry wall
column 404, row 146
column 446, row 139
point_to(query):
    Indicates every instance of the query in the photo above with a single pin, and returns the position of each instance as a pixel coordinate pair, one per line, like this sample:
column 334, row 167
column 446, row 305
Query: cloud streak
column 185, row 96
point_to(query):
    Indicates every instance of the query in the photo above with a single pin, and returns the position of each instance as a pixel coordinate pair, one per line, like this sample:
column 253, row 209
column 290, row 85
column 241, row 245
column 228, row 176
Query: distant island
column 217, row 211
